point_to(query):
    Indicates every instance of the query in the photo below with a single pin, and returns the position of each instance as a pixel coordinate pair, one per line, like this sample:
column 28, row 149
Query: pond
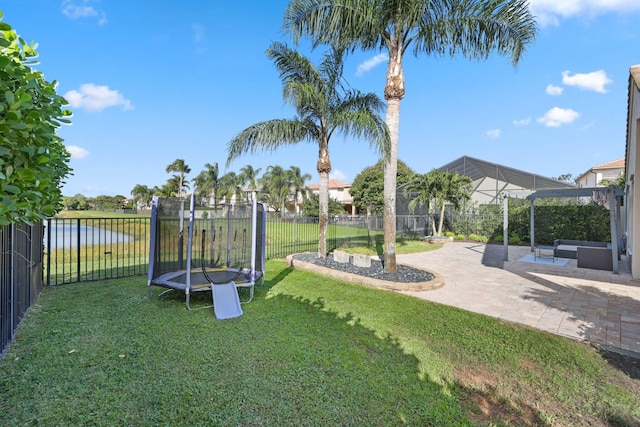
column 68, row 233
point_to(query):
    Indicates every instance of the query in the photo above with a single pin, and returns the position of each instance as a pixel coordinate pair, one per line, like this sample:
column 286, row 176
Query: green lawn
column 309, row 350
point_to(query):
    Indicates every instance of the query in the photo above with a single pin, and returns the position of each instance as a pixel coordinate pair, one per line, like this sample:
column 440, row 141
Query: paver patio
column 589, row 305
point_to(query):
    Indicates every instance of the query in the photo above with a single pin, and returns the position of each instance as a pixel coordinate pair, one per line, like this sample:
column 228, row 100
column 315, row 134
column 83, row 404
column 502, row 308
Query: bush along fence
column 21, row 256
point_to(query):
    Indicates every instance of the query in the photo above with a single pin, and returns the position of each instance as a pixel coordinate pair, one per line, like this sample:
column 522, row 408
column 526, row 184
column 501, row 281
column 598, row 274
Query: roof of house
column 333, row 183
column 635, row 74
column 614, row 164
column 477, row 169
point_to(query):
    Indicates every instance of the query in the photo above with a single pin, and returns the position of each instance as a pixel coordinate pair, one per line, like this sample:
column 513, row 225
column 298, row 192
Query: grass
column 402, row 247
column 309, row 350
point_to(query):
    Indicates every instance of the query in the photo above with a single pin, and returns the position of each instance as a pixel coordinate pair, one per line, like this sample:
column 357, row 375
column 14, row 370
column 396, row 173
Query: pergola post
column 505, row 226
column 533, row 226
column 611, row 198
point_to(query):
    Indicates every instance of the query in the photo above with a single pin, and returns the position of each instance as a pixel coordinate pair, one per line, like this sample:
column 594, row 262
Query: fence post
column 48, row 251
column 78, row 248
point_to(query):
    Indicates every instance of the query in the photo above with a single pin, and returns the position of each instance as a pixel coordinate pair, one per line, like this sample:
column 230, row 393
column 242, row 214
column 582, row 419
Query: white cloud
column 522, row 122
column 494, row 133
column 92, row 97
column 337, row 174
column 80, row 9
column 554, row 90
column 557, row 117
column 370, row 63
column 548, row 12
column 596, row 80
column 77, row 152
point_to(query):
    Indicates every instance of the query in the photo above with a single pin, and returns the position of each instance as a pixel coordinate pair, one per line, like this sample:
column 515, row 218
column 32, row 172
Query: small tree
column 438, row 187
column 368, row 186
column 208, row 182
column 33, row 159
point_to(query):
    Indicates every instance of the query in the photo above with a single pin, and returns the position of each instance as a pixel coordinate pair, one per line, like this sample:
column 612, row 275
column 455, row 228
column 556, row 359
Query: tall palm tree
column 298, row 181
column 250, row 177
column 324, row 105
column 474, row 28
column 182, row 169
column 208, row 182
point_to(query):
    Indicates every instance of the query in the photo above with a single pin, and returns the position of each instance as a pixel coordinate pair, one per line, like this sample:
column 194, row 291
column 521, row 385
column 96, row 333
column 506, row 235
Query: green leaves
column 33, row 160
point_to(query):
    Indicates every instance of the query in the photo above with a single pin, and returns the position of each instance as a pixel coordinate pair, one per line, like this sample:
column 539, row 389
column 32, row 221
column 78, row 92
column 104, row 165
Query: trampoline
column 219, row 250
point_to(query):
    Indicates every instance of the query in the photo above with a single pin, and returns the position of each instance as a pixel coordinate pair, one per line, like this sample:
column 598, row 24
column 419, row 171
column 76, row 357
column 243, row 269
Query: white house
column 632, row 155
column 339, row 191
column 594, row 176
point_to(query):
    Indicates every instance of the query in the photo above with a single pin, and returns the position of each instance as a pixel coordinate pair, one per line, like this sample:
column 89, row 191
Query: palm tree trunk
column 324, row 167
column 393, row 93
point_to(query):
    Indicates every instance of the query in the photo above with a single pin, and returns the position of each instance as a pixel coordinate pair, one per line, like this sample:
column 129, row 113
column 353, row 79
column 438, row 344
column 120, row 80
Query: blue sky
column 151, row 82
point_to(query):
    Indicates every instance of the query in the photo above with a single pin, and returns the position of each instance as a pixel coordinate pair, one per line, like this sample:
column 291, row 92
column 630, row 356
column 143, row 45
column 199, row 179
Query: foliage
column 33, row 158
column 482, row 220
column 439, row 188
column 566, row 177
column 230, row 188
column 208, row 182
column 472, row 28
column 324, row 105
column 573, row 221
column 183, row 170
column 367, row 188
column 476, row 238
column 143, row 195
column 75, row 203
column 619, row 182
column 312, row 201
column 275, row 187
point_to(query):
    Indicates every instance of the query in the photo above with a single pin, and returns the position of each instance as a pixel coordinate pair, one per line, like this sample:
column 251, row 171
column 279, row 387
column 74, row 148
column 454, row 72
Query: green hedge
column 552, row 221
column 570, row 221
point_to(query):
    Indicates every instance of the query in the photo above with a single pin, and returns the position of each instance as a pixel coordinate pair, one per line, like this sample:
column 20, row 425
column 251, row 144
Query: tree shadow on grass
column 373, row 371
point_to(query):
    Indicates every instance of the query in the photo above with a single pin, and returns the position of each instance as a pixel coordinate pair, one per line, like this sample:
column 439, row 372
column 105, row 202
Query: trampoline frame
column 182, row 277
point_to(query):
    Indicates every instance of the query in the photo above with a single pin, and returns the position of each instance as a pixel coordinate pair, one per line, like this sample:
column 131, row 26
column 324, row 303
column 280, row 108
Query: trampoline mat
column 199, row 282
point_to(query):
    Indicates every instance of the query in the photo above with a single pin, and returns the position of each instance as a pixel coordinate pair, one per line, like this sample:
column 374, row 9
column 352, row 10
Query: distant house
column 338, row 190
column 594, row 176
column 490, row 180
column 632, row 156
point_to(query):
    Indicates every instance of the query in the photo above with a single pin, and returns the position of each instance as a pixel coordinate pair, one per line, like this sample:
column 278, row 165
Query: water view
column 67, row 233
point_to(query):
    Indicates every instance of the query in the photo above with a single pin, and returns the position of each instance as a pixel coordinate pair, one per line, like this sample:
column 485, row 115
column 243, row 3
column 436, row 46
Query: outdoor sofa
column 596, row 255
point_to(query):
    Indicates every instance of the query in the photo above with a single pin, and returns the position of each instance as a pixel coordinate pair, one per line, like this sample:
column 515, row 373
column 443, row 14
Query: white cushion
column 567, row 248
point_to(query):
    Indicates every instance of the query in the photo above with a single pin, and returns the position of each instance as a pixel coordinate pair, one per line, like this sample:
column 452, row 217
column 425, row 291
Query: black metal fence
column 89, row 249
column 20, row 276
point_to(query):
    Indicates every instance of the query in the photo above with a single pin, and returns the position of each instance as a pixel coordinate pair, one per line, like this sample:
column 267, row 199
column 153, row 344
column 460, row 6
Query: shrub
column 33, row 159
column 476, row 238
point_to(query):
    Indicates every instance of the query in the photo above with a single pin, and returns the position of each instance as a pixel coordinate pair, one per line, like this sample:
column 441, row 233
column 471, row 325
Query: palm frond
column 270, row 135
column 476, row 28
